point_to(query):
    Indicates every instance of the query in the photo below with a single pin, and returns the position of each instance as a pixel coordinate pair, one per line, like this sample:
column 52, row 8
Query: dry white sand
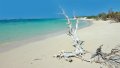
column 39, row 54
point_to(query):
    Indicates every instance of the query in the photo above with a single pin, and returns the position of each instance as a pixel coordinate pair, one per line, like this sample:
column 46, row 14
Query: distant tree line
column 111, row 15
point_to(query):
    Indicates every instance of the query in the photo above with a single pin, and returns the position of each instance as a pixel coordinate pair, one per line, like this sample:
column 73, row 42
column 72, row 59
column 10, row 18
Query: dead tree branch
column 111, row 60
column 79, row 51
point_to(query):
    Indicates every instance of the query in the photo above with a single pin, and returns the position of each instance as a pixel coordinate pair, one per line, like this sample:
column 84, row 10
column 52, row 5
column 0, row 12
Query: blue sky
column 49, row 8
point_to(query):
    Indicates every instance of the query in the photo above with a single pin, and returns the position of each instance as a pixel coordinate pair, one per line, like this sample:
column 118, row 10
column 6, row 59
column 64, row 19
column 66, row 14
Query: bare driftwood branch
column 79, row 51
column 111, row 60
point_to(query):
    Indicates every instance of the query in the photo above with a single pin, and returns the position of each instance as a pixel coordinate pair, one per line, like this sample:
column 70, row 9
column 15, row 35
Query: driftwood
column 77, row 43
column 111, row 60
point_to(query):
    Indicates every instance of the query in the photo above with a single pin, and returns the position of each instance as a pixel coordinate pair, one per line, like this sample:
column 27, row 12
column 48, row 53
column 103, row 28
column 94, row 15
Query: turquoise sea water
column 20, row 29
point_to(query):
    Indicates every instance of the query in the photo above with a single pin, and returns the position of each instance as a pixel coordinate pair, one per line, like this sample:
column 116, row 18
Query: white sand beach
column 39, row 54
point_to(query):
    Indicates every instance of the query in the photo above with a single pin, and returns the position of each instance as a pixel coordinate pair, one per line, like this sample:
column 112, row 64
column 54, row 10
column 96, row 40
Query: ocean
column 21, row 29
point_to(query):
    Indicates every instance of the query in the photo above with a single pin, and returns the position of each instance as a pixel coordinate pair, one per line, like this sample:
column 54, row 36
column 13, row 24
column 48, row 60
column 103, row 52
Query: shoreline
column 14, row 44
